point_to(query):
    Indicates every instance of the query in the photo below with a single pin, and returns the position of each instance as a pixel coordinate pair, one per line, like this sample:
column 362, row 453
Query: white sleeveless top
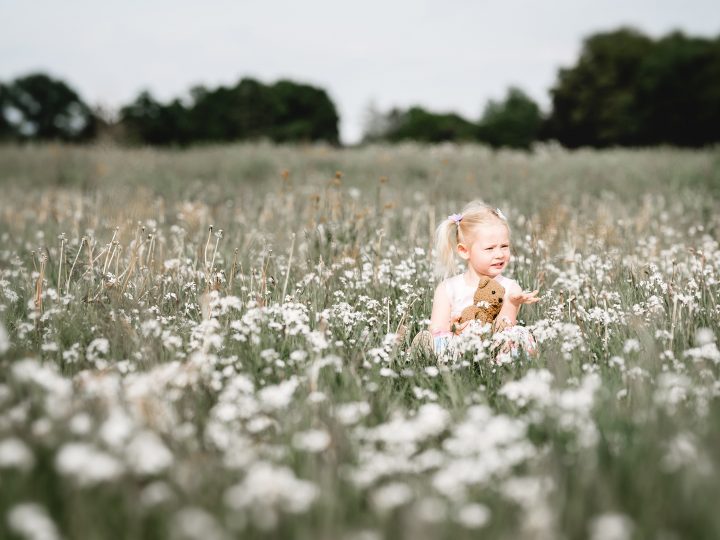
column 461, row 294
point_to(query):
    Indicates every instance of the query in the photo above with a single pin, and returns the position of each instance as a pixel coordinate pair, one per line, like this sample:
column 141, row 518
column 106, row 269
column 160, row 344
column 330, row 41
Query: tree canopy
column 514, row 122
column 628, row 89
column 420, row 125
column 37, row 106
column 282, row 112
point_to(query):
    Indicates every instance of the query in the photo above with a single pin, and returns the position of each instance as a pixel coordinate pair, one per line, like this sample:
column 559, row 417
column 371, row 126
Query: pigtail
column 445, row 240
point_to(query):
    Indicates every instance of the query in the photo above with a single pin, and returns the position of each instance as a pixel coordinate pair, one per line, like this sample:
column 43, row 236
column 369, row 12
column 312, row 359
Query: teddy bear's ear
column 483, row 283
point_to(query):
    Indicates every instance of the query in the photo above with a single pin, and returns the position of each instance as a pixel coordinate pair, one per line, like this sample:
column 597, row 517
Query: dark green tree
column 514, row 122
column 628, row 89
column 420, row 125
column 303, row 112
column 595, row 102
column 7, row 130
column 40, row 107
column 679, row 91
column 145, row 120
column 285, row 111
column 245, row 111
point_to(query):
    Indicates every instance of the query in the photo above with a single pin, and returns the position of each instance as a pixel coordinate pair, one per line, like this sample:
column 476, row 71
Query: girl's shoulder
column 457, row 278
column 454, row 285
column 509, row 283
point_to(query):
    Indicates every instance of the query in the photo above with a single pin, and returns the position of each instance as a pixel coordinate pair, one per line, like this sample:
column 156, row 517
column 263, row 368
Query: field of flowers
column 212, row 343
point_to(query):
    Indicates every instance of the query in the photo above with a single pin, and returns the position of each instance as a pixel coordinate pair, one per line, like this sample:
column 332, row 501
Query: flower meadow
column 212, row 343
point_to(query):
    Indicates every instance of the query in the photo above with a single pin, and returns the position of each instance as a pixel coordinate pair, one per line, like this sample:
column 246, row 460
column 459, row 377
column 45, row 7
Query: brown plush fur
column 487, row 302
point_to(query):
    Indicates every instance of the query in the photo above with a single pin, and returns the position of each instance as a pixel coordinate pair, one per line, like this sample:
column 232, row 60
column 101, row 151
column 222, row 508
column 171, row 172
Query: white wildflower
column 390, row 496
column 617, row 361
column 672, row 389
column 155, row 493
column 352, row 412
column 32, row 522
column 268, row 488
column 147, row 454
column 473, row 515
column 259, row 423
column 703, row 336
column 117, row 428
column 192, row 523
column 87, row 464
column 49, row 346
column 706, row 351
column 72, row 355
column 681, row 451
column 313, row 440
column 611, row 526
column 278, row 396
column 431, row 419
column 533, row 387
column 97, row 349
column 388, row 372
column 316, row 397
column 432, row 371
column 171, row 341
column 631, row 345
column 431, row 510
column 58, row 389
column 298, row 356
column 151, row 328
column 14, row 454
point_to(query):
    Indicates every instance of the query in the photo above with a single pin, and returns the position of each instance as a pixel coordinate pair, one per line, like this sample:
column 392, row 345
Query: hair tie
column 455, row 218
column 500, row 214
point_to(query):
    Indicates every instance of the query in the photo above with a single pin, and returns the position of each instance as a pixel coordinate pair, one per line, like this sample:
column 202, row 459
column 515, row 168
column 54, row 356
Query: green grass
column 622, row 243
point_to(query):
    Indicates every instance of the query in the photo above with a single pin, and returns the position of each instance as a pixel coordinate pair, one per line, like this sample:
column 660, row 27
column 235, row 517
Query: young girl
column 480, row 236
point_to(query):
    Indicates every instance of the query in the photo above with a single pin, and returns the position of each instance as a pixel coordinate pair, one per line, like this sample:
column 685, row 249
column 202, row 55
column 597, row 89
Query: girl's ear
column 463, row 251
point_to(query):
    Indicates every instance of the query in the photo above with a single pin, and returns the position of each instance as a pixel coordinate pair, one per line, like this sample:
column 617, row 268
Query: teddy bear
column 487, row 302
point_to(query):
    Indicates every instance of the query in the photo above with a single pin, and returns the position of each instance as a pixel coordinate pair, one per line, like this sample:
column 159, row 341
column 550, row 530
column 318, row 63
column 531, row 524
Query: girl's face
column 488, row 251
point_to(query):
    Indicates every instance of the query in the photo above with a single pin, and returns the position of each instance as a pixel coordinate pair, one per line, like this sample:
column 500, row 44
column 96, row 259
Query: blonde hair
column 460, row 228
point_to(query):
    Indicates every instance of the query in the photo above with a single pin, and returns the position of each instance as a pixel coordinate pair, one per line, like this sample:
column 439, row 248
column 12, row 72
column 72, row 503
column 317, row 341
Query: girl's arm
column 514, row 298
column 440, row 317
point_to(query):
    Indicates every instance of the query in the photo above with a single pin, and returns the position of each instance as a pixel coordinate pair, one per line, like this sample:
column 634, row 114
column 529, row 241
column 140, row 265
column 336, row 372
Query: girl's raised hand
column 524, row 297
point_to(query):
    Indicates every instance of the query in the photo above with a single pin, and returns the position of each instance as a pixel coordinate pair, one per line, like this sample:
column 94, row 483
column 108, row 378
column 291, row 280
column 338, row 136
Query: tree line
column 37, row 106
column 626, row 89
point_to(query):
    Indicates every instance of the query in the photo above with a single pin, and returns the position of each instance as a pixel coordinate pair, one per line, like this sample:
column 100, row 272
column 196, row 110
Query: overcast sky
column 452, row 55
